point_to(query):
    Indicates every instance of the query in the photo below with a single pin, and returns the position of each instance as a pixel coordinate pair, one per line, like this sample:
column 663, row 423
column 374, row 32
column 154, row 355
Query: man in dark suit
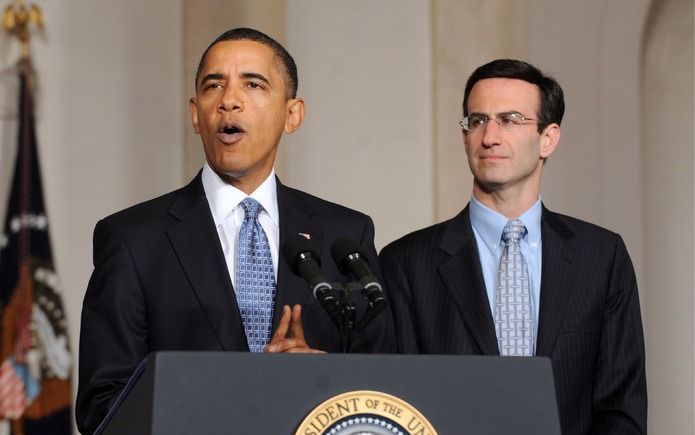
column 566, row 289
column 164, row 270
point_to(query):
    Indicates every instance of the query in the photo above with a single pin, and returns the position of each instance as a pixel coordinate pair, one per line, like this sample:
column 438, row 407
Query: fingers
column 284, row 324
column 289, row 345
column 303, row 350
column 296, row 327
column 289, row 336
column 280, row 342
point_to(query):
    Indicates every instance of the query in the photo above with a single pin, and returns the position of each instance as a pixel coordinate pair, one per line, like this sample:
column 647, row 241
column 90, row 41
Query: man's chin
column 489, row 185
column 227, row 173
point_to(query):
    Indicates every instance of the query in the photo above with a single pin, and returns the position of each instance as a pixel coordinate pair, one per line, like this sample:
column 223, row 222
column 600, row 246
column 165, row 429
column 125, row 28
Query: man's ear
column 193, row 109
column 295, row 115
column 550, row 137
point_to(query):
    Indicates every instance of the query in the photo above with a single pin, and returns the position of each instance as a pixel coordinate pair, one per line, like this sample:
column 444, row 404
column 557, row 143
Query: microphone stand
column 349, row 313
column 345, row 316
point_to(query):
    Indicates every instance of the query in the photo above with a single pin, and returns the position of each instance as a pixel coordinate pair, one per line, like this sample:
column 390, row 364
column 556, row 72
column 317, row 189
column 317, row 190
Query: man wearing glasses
column 508, row 277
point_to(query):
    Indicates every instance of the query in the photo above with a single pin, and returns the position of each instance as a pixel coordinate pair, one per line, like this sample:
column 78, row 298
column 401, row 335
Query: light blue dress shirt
column 487, row 228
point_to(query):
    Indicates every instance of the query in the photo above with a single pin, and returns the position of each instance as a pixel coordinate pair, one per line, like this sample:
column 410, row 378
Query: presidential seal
column 365, row 413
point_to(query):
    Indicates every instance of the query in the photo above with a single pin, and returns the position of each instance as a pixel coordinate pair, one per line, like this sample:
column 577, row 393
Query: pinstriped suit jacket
column 589, row 319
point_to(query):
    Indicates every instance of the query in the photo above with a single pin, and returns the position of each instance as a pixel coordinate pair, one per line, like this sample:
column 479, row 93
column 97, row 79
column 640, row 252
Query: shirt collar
column 223, row 198
column 489, row 223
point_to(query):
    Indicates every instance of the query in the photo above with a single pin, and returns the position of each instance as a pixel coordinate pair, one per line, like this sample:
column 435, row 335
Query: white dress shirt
column 225, row 204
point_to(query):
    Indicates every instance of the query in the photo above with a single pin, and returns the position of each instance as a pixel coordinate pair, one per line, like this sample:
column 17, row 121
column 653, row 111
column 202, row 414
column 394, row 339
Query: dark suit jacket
column 589, row 319
column 160, row 282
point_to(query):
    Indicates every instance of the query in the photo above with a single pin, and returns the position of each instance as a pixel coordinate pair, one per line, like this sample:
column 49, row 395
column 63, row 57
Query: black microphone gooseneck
column 300, row 255
column 352, row 262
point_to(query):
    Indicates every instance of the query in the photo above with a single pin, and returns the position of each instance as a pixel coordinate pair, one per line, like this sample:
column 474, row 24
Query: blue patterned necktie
column 513, row 320
column 255, row 280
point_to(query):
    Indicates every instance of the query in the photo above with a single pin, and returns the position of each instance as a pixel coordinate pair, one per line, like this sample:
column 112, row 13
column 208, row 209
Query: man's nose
column 231, row 100
column 491, row 132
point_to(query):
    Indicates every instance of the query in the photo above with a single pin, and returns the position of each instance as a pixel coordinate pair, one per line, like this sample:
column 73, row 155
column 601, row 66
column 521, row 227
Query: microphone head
column 295, row 249
column 344, row 248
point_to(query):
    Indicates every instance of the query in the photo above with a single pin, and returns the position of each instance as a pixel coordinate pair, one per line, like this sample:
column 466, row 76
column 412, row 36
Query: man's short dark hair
column 246, row 34
column 552, row 101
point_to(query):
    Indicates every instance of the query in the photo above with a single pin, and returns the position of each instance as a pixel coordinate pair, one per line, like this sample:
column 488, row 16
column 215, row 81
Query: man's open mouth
column 231, row 129
column 230, row 133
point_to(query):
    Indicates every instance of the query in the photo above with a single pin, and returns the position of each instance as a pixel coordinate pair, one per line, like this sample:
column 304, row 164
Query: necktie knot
column 251, row 208
column 514, row 231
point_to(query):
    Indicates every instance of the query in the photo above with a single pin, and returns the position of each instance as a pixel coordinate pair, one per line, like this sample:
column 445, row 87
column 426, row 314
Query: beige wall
column 364, row 72
column 667, row 144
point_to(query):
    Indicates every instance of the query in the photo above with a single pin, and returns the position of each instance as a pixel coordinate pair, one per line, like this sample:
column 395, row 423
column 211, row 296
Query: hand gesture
column 289, row 337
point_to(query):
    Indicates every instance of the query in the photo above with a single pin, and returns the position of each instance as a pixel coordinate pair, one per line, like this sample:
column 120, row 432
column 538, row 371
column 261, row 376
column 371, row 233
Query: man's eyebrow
column 506, row 112
column 244, row 75
column 479, row 114
column 257, row 76
column 212, row 76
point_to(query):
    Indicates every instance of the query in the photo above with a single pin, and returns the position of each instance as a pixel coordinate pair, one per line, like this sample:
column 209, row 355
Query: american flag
column 35, row 363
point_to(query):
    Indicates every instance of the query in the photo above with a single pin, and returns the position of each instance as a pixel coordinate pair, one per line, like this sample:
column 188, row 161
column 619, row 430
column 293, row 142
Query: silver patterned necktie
column 513, row 319
column 255, row 279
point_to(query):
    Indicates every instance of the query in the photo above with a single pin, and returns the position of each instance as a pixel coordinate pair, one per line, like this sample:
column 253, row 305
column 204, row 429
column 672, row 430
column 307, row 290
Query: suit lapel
column 462, row 276
column 557, row 277
column 296, row 217
column 197, row 246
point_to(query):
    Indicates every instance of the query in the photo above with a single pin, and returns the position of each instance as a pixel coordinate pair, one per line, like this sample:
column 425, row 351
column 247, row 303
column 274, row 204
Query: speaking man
column 199, row 268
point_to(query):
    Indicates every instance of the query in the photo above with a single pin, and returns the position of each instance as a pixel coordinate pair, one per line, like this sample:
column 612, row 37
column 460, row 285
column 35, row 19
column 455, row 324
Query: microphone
column 303, row 260
column 352, row 261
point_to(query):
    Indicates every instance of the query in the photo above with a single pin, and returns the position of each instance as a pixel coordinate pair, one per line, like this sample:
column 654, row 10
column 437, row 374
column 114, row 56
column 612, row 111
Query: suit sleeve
column 398, row 289
column 113, row 329
column 620, row 389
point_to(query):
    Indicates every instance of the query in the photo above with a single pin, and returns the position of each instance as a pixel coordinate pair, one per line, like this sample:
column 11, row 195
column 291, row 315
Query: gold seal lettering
column 392, row 409
column 354, row 405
